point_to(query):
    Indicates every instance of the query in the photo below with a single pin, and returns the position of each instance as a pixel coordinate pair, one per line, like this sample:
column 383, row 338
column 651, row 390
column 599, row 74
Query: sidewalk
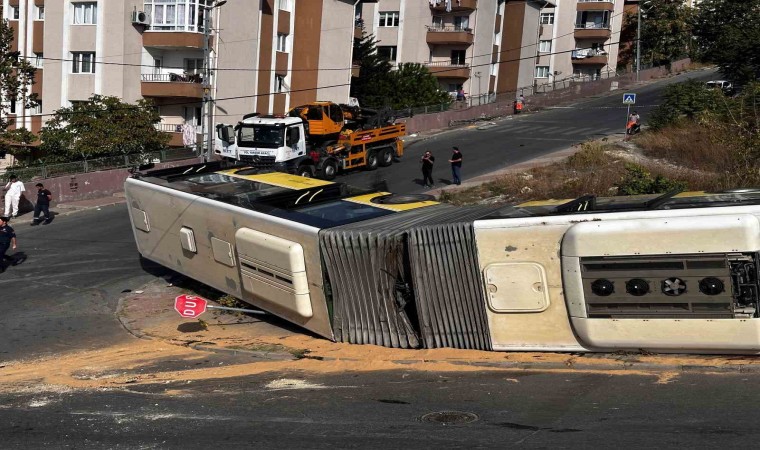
column 80, row 205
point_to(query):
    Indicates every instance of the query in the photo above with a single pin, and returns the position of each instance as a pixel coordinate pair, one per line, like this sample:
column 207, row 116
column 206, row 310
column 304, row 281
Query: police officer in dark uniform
column 7, row 240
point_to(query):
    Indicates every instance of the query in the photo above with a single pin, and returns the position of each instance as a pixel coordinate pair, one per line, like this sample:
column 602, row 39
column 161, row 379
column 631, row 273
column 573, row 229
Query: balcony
column 589, row 57
column 171, row 85
column 592, row 30
column 449, row 36
column 456, row 5
column 448, row 69
column 595, row 5
column 174, row 131
column 174, row 40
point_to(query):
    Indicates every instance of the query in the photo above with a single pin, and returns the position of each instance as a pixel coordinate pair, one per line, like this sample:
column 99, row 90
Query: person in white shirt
column 13, row 189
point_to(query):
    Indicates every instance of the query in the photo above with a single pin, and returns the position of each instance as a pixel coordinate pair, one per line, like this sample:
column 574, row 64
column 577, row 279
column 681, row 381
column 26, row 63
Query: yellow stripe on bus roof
column 284, row 180
column 367, row 200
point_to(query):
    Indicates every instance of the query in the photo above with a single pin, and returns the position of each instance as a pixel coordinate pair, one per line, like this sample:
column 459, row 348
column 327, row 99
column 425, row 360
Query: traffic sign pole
column 192, row 306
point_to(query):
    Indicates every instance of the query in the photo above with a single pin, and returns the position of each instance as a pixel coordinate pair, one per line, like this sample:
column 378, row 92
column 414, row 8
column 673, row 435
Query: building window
column 13, row 12
column 85, row 13
column 279, row 83
column 39, row 13
column 458, row 57
column 389, row 19
column 176, row 15
column 83, row 63
column 437, row 22
column 12, row 108
column 547, row 18
column 37, row 109
column 542, row 71
column 387, row 52
column 592, row 19
column 38, row 60
column 461, row 22
column 282, row 42
column 192, row 66
column 545, row 46
column 286, row 5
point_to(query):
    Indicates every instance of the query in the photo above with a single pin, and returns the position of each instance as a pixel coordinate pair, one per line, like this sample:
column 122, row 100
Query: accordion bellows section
column 408, row 280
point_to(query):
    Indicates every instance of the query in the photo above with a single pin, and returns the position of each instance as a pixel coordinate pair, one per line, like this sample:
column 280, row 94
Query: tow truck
column 320, row 140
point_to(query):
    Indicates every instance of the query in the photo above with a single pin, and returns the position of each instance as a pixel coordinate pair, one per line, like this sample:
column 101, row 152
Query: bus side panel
column 216, row 261
column 522, row 277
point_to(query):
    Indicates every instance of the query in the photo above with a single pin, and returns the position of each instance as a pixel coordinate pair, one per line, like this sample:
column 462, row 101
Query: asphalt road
column 398, row 409
column 64, row 294
column 519, row 138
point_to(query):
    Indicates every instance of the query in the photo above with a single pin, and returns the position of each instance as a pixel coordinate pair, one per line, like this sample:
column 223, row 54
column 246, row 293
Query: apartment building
column 578, row 39
column 481, row 46
column 266, row 56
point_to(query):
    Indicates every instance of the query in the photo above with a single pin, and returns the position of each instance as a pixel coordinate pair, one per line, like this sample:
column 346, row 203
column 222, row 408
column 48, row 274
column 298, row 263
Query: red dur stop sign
column 190, row 305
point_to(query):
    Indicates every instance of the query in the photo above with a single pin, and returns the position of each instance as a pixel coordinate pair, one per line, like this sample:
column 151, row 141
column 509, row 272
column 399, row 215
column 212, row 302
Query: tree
column 373, row 69
column 378, row 85
column 410, row 85
column 666, row 30
column 687, row 100
column 102, row 126
column 16, row 79
column 727, row 32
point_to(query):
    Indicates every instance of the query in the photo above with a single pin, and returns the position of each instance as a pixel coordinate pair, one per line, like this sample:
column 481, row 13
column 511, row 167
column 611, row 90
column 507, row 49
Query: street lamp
column 207, row 100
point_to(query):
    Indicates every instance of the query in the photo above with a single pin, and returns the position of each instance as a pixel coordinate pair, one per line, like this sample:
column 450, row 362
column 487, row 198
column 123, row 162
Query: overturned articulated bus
column 668, row 273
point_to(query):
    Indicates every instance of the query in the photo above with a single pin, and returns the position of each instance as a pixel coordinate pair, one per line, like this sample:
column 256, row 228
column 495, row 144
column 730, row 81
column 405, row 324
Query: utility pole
column 209, row 123
column 208, row 102
column 638, row 41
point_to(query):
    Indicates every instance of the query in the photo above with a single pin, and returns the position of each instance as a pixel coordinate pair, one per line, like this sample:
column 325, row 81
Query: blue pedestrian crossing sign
column 629, row 99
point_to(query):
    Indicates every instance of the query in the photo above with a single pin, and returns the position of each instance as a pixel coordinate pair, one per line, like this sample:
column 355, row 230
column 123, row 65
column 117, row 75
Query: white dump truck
column 678, row 272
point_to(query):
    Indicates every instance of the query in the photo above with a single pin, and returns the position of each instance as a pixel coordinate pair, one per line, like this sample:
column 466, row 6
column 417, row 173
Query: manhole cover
column 449, row 417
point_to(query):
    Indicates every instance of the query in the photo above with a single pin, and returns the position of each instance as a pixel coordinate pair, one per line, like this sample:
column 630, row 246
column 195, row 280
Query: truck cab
column 267, row 142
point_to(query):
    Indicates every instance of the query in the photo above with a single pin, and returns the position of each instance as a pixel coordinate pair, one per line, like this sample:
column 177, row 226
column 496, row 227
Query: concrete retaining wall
column 503, row 104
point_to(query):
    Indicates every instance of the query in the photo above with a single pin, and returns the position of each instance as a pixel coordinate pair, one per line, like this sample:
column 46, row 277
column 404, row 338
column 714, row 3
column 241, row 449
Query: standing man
column 43, row 204
column 13, row 189
column 456, row 165
column 427, row 169
column 7, row 239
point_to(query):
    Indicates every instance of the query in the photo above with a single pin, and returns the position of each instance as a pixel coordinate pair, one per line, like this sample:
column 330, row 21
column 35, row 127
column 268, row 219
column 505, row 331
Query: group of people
column 428, row 160
column 13, row 191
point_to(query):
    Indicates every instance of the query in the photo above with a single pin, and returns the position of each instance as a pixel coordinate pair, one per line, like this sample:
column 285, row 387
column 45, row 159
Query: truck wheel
column 329, row 170
column 386, row 157
column 305, row 170
column 372, row 160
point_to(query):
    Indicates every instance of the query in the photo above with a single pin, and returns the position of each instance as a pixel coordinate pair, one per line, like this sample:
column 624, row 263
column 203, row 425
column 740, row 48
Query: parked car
column 726, row 86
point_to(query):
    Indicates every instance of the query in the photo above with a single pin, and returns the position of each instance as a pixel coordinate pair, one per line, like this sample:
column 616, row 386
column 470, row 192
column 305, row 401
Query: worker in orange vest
column 518, row 106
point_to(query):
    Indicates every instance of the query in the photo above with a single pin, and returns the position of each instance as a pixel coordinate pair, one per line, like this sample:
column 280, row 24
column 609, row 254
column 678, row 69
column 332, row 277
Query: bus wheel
column 386, row 157
column 305, row 170
column 372, row 160
column 329, row 170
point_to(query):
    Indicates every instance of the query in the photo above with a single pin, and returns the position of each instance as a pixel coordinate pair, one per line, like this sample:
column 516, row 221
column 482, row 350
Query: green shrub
column 638, row 180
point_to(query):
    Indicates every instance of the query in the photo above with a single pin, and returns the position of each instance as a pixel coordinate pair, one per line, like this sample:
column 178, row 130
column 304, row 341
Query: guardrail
column 169, row 127
column 171, row 78
column 96, row 164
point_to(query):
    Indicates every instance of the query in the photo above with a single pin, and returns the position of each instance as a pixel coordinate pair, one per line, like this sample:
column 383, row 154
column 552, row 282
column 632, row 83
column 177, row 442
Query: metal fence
column 93, row 165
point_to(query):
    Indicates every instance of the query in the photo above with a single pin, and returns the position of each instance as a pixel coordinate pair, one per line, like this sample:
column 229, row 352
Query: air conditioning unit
column 140, row 18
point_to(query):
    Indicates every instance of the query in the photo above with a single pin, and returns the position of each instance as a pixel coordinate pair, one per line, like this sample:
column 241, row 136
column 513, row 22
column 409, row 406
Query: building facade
column 265, row 56
column 578, row 40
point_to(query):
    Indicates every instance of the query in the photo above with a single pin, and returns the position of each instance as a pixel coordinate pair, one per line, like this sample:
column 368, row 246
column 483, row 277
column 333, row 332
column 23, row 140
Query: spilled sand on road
column 162, row 336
